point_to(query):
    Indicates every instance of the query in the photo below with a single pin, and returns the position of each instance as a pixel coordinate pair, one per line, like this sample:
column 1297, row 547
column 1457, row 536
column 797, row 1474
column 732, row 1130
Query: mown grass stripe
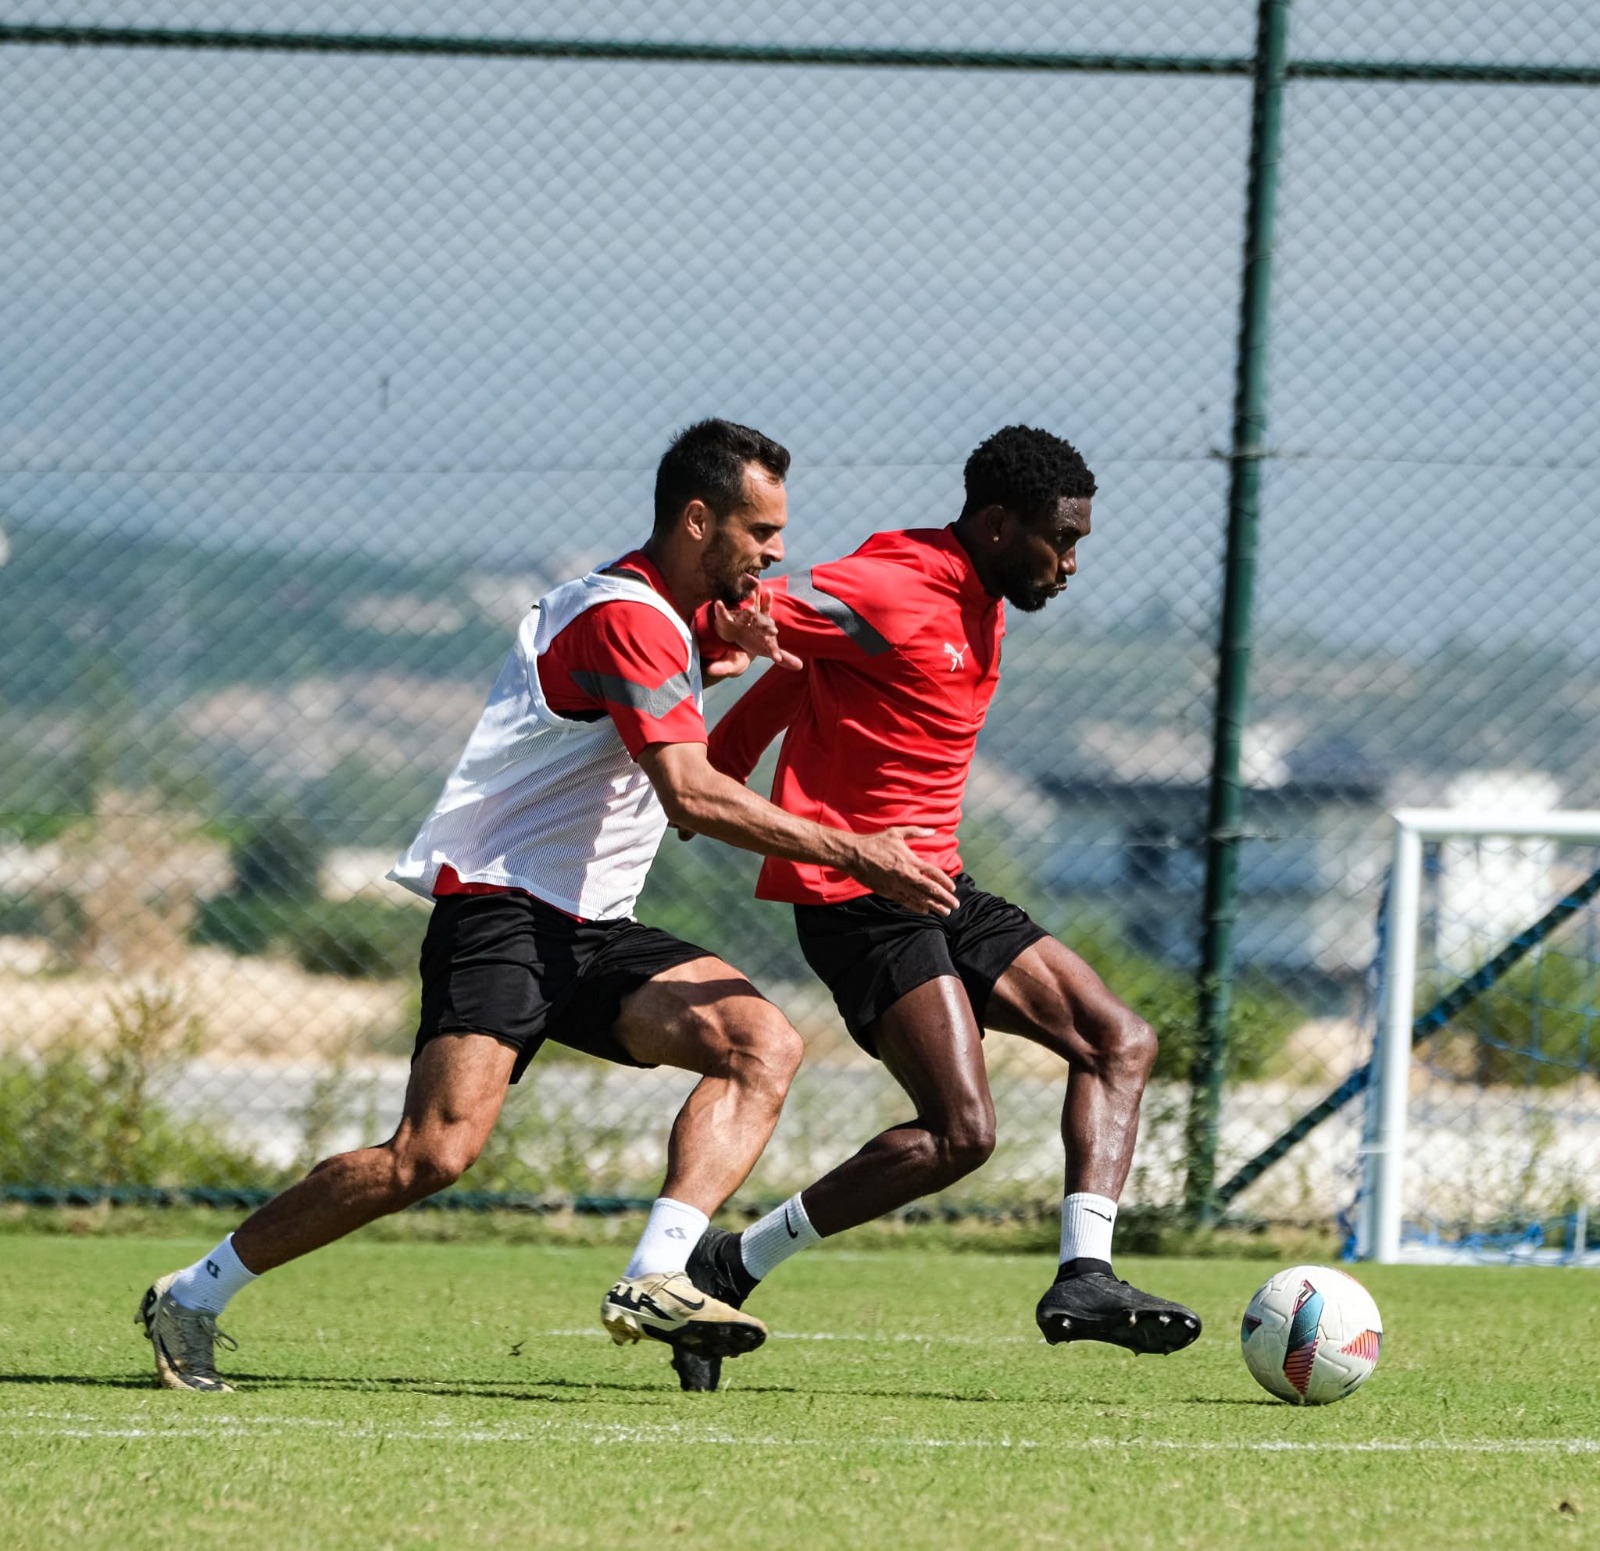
column 611, row 1434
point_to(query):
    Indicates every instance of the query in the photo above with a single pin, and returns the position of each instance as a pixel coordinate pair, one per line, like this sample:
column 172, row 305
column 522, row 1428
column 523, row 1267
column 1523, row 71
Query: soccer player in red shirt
column 901, row 649
column 592, row 741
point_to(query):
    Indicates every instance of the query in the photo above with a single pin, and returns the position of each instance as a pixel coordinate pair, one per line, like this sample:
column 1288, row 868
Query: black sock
column 1083, row 1266
column 731, row 1263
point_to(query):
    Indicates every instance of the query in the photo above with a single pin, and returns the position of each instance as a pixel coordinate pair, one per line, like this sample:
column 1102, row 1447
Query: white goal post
column 1379, row 1231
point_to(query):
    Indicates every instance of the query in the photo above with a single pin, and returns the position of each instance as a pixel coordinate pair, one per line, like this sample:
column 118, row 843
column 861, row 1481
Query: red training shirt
column 902, row 651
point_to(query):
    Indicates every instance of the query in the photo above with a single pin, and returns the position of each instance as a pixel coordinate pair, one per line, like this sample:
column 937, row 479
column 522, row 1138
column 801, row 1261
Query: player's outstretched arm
column 758, row 716
column 700, row 798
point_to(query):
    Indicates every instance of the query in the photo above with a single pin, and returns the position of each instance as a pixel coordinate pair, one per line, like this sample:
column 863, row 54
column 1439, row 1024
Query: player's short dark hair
column 707, row 463
column 1026, row 471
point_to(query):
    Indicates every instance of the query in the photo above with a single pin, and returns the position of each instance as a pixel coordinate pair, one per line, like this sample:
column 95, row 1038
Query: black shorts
column 869, row 952
column 513, row 967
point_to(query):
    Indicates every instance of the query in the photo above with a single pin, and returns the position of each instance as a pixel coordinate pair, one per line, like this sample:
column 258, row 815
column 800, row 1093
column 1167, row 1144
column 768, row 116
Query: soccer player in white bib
column 593, row 741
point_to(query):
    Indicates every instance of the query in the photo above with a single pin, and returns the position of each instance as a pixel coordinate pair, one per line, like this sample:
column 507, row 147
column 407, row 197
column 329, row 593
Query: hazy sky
column 448, row 307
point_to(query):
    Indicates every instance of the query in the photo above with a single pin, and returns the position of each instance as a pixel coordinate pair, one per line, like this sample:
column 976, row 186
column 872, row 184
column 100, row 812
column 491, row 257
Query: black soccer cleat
column 1097, row 1307
column 696, row 1373
column 715, row 1269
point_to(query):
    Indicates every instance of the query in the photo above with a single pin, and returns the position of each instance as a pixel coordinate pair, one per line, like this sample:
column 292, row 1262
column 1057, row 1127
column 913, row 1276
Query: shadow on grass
column 82, row 1380
column 262, row 1383
column 569, row 1391
column 860, row 1392
column 537, row 1388
column 529, row 1388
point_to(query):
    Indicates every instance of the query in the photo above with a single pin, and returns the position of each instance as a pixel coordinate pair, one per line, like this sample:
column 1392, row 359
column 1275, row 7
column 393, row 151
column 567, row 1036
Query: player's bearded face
column 1035, row 564
column 745, row 542
column 1021, row 585
column 1028, row 575
column 727, row 566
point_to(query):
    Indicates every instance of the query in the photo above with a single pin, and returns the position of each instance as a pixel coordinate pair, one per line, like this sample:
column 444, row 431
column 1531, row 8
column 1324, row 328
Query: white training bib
column 543, row 803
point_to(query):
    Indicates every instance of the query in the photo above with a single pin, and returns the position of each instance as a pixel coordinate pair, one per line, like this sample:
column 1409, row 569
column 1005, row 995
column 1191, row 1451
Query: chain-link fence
column 325, row 356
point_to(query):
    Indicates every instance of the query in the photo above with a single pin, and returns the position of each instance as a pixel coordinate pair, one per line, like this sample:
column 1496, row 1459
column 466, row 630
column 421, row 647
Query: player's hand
column 728, row 666
column 753, row 631
column 888, row 866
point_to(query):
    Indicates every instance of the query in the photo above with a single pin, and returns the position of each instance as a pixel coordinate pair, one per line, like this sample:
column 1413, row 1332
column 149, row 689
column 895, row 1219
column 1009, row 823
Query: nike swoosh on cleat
column 648, row 1302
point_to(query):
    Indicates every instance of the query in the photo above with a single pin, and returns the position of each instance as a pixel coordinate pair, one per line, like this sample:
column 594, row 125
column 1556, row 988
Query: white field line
column 37, row 1424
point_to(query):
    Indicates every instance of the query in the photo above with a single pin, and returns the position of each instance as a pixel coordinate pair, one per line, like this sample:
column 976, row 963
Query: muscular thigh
column 594, row 1015
column 1049, row 995
column 458, row 1083
column 685, row 1015
column 932, row 1046
column 871, row 954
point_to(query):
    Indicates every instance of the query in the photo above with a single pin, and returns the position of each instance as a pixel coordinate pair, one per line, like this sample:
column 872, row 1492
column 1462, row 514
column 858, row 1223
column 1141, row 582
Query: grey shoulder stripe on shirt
column 620, row 691
column 839, row 613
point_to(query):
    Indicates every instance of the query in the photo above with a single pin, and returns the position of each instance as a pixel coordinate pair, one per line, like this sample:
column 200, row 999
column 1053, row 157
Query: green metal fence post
column 1226, row 804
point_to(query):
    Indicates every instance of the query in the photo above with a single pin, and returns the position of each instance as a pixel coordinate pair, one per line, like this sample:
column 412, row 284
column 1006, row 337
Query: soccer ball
column 1311, row 1335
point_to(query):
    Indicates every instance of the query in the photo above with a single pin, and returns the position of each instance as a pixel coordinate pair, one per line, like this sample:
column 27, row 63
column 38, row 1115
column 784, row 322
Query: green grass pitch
column 421, row 1395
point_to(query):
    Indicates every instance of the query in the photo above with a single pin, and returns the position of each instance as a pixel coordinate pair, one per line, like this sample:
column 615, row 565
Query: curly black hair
column 1026, row 471
column 707, row 463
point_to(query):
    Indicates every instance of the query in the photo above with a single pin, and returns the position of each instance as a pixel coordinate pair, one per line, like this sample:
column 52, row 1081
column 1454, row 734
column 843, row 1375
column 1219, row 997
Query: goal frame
column 1378, row 1235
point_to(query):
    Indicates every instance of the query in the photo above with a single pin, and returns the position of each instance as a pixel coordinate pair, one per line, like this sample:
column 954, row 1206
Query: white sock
column 672, row 1230
column 1086, row 1224
column 212, row 1280
column 781, row 1233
